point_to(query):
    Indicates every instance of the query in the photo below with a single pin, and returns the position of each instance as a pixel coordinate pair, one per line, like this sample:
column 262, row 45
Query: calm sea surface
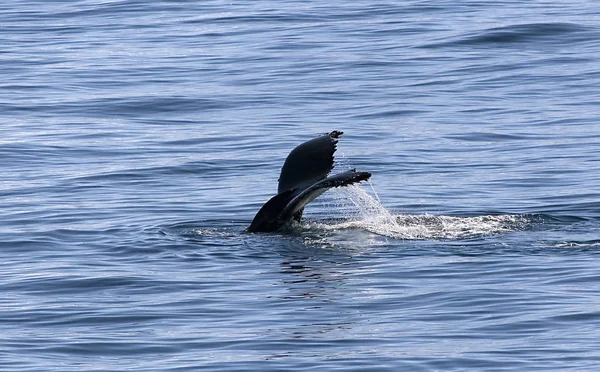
column 139, row 138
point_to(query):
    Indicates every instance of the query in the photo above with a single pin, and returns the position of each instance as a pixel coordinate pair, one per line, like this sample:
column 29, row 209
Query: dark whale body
column 304, row 176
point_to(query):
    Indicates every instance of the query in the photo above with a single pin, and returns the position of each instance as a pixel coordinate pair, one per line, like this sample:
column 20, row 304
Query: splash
column 363, row 211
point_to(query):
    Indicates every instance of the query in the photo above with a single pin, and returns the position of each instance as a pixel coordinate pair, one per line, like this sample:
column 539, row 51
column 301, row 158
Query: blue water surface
column 138, row 140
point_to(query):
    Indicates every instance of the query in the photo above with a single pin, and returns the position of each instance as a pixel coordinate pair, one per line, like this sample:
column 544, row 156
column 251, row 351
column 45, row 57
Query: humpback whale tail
column 304, row 176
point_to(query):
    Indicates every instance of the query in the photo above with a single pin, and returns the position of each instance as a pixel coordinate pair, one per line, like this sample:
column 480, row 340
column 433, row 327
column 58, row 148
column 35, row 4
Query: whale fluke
column 304, row 176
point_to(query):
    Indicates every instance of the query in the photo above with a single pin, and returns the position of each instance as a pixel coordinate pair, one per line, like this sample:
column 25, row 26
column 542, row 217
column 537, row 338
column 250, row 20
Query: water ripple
column 138, row 140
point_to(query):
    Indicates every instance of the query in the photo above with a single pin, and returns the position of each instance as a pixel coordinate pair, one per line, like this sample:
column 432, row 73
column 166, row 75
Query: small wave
column 520, row 33
column 487, row 137
column 578, row 244
column 370, row 215
column 523, row 33
column 199, row 230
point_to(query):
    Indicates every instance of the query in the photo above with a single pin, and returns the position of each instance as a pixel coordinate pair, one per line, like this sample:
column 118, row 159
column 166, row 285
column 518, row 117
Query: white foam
column 363, row 211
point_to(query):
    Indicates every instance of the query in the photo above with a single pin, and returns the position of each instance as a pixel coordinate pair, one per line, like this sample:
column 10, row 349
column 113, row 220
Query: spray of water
column 361, row 210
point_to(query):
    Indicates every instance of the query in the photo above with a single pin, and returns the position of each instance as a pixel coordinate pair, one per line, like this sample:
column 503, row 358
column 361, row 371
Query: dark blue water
column 138, row 140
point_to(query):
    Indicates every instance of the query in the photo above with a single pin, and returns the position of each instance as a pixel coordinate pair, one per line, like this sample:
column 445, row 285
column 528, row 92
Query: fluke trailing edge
column 304, row 176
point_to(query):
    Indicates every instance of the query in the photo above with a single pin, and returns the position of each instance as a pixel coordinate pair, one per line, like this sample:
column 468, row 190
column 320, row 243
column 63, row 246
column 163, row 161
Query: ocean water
column 138, row 139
